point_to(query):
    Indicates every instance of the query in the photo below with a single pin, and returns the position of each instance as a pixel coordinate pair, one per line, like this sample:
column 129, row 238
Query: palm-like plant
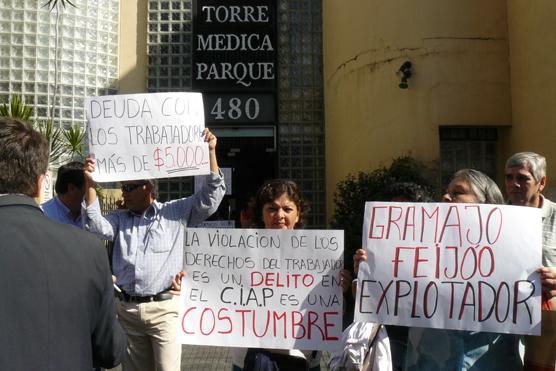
column 75, row 137
column 53, row 3
column 16, row 108
column 62, row 141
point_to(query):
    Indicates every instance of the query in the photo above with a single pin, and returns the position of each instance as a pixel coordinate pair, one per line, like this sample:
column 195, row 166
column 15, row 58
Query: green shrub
column 352, row 193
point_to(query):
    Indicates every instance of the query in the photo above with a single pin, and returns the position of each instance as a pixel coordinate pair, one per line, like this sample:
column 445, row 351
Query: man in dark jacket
column 57, row 308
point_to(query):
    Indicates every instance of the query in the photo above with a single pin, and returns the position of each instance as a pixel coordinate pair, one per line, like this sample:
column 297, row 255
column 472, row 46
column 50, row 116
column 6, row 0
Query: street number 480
column 235, row 108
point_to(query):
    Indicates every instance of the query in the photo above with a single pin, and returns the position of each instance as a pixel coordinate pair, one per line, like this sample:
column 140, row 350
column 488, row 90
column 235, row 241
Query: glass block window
column 56, row 59
column 300, row 97
column 468, row 147
column 169, row 45
column 169, row 51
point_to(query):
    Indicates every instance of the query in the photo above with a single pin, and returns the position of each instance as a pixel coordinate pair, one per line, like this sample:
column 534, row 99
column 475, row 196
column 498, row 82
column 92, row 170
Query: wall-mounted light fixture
column 404, row 72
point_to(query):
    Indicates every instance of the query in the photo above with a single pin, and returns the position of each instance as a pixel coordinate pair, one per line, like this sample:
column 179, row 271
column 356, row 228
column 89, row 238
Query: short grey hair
column 482, row 186
column 533, row 161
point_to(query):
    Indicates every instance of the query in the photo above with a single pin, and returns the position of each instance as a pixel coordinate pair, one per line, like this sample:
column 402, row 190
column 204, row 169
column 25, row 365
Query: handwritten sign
column 455, row 266
column 146, row 136
column 262, row 288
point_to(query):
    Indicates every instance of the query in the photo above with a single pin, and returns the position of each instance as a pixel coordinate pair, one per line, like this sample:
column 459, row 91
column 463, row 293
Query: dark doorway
column 252, row 160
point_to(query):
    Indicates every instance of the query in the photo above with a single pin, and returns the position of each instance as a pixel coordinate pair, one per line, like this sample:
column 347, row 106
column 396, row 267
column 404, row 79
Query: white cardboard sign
column 262, row 288
column 147, row 136
column 455, row 266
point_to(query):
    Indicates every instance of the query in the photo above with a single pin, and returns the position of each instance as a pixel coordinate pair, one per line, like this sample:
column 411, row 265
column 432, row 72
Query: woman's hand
column 176, row 283
column 360, row 256
column 548, row 281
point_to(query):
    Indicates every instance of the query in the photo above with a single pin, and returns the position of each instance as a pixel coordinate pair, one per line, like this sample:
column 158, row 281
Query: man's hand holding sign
column 135, row 139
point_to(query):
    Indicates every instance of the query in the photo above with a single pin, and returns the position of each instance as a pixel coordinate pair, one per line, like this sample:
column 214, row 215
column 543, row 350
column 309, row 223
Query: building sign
column 234, row 59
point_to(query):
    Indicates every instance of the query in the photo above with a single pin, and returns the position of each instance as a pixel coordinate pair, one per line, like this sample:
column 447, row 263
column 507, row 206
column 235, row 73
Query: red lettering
column 372, row 226
column 297, row 324
column 183, row 320
column 225, row 318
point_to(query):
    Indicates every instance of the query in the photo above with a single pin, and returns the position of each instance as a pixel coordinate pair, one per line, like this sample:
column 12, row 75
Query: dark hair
column 23, row 156
column 271, row 190
column 413, row 192
column 70, row 173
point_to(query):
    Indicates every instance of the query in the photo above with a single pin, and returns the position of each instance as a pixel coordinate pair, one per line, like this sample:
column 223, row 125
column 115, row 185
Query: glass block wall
column 300, row 101
column 169, row 53
column 300, row 88
column 57, row 58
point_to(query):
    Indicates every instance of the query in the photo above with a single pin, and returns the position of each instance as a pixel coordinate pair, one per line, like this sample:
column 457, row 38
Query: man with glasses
column 525, row 179
column 148, row 253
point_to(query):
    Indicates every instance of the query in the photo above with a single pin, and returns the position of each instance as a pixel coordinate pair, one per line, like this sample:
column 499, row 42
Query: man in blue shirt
column 148, row 252
column 70, row 189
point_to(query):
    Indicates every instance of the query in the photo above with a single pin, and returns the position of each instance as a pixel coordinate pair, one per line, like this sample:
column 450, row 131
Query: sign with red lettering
column 147, row 136
column 453, row 266
column 262, row 288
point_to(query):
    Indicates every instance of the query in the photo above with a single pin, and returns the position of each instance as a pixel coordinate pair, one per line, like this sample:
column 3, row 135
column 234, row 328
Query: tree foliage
column 352, row 193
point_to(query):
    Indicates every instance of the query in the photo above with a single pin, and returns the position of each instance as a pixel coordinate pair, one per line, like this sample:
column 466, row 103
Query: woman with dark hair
column 277, row 205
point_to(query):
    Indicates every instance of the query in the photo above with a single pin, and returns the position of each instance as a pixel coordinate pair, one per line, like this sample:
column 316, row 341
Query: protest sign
column 146, row 136
column 455, row 266
column 262, row 288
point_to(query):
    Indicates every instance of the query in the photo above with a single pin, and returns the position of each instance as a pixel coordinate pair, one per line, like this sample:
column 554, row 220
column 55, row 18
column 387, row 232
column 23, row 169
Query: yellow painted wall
column 532, row 35
column 133, row 47
column 459, row 50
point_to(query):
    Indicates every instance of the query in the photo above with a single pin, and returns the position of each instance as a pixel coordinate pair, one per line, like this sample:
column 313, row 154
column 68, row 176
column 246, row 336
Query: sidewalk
column 205, row 358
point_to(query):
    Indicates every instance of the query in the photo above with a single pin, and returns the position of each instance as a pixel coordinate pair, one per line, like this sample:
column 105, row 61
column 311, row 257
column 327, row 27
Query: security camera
column 404, row 72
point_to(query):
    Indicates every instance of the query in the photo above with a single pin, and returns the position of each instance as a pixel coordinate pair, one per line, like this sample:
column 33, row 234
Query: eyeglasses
column 131, row 186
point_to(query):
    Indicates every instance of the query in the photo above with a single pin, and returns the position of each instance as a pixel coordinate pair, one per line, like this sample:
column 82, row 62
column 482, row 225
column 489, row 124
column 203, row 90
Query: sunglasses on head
column 131, row 186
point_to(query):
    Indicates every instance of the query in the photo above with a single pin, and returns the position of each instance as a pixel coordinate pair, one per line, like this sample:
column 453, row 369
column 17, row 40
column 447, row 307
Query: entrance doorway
column 250, row 154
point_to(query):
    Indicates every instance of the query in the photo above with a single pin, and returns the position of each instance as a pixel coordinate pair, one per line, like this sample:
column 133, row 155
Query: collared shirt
column 55, row 209
column 548, row 209
column 148, row 247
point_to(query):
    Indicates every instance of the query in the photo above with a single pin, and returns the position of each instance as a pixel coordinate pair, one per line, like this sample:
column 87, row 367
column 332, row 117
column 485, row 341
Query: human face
column 137, row 195
column 459, row 191
column 521, row 187
column 282, row 213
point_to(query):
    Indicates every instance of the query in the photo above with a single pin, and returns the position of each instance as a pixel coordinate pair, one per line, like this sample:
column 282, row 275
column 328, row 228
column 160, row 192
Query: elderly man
column 70, row 189
column 57, row 304
column 525, row 179
column 148, row 252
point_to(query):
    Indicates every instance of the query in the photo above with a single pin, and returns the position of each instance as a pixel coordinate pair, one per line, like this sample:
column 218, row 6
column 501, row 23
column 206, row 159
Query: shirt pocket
column 157, row 239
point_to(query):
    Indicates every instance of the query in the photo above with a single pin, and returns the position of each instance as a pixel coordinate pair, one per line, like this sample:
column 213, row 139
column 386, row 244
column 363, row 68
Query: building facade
column 55, row 59
column 479, row 89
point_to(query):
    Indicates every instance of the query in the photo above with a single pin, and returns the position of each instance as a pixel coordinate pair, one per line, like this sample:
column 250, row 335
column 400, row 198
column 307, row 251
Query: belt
column 161, row 296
